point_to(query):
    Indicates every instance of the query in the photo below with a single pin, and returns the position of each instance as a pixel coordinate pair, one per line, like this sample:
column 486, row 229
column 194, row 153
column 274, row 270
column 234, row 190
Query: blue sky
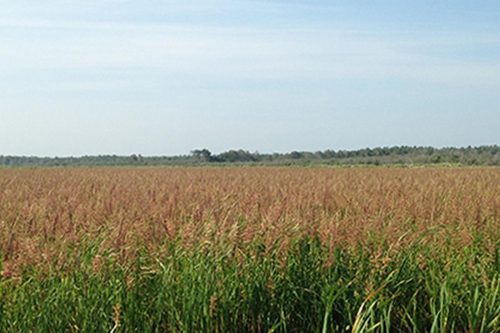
column 165, row 77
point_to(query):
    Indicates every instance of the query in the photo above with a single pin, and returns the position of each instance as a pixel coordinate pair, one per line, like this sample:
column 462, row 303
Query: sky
column 166, row 77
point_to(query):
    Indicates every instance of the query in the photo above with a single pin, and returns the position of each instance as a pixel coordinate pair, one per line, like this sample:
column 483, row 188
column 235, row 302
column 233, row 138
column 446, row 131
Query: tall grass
column 309, row 290
column 249, row 250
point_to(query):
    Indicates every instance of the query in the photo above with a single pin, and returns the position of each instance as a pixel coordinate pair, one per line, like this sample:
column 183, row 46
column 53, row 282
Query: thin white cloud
column 231, row 52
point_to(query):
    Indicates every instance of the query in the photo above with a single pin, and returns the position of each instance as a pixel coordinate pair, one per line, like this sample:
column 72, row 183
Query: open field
column 250, row 249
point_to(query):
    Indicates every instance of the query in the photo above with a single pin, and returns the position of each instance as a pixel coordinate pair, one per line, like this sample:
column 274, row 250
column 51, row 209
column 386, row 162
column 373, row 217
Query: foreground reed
column 224, row 290
column 249, row 250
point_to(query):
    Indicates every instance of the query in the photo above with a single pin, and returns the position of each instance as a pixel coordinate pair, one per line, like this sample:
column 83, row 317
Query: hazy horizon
column 165, row 77
column 189, row 153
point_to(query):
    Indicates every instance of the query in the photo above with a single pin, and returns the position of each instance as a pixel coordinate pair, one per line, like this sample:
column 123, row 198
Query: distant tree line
column 399, row 155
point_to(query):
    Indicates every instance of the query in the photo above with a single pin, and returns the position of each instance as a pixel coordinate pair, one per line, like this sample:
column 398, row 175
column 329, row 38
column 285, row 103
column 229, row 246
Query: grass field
column 254, row 249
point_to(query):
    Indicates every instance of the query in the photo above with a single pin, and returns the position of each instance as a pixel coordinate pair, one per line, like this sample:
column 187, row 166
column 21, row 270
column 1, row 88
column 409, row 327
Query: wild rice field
column 250, row 249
